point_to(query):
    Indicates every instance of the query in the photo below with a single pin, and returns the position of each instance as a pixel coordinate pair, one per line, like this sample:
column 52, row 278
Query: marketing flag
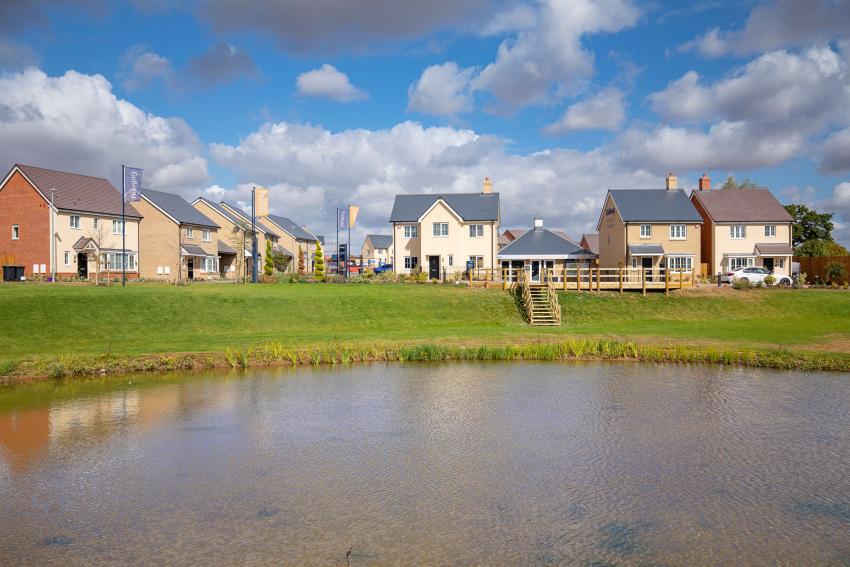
column 132, row 184
column 352, row 213
column 342, row 219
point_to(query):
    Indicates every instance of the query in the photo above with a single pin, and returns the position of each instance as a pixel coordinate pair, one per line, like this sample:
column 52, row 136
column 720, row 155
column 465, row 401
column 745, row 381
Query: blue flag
column 342, row 219
column 132, row 184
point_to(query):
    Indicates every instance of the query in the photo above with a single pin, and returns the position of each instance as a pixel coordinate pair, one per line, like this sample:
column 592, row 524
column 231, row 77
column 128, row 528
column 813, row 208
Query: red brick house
column 53, row 220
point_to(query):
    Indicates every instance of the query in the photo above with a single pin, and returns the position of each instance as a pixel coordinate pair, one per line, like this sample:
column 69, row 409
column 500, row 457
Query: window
column 113, row 261
column 189, row 232
column 206, row 235
column 411, row 231
column 477, row 261
column 680, row 263
column 441, row 229
column 16, row 232
column 117, row 227
column 67, row 258
column 74, row 221
column 476, row 230
column 610, row 241
column 634, row 262
column 678, row 232
column 451, row 260
column 737, row 263
column 96, row 223
column 645, row 230
column 737, row 231
column 410, row 262
column 770, row 230
column 209, row 264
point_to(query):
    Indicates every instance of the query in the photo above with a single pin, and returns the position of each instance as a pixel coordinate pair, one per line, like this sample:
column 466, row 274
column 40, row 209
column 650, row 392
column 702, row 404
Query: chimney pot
column 672, row 182
column 538, row 223
column 488, row 186
column 261, row 201
column 705, row 182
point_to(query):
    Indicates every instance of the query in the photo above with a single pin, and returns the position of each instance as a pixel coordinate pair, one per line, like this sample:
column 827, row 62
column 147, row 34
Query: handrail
column 526, row 296
column 554, row 304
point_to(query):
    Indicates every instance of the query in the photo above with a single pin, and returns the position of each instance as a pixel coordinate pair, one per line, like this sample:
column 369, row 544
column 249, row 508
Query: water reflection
column 412, row 464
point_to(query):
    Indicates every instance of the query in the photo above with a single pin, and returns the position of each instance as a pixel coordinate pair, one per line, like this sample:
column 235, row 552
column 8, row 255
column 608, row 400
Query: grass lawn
column 45, row 321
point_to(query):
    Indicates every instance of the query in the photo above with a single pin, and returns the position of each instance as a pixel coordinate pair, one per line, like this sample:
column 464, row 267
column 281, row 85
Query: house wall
column 227, row 263
column 706, row 235
column 159, row 243
column 725, row 244
column 21, row 204
column 405, row 246
column 68, row 236
column 612, row 236
column 375, row 256
column 209, row 247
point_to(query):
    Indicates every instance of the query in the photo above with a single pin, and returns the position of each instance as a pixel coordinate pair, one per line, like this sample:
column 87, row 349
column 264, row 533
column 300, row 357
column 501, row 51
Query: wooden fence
column 816, row 265
column 589, row 279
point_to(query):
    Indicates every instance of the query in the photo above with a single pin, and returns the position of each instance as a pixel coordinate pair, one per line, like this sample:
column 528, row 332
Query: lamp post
column 52, row 235
column 253, row 235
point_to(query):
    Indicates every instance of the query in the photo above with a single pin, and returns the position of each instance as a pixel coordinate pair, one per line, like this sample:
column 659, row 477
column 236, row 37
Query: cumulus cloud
column 441, row 90
column 604, row 111
column 15, row 55
column 545, row 58
column 328, row 82
column 141, row 69
column 334, row 25
column 839, row 203
column 222, row 63
column 777, row 24
column 369, row 167
column 835, row 153
column 74, row 122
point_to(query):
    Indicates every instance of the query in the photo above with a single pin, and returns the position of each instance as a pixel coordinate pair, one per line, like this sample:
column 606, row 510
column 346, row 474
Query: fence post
column 643, row 280
column 667, row 281
column 693, row 277
column 598, row 277
column 621, row 280
column 680, row 279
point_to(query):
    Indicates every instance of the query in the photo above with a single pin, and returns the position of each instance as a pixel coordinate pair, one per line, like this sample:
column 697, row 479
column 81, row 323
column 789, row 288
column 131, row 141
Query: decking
column 588, row 279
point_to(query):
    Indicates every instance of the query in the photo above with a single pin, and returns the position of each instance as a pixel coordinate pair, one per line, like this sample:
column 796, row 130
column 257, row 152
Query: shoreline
column 278, row 354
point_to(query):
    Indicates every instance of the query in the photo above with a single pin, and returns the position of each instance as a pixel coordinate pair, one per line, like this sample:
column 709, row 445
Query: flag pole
column 337, row 241
column 253, row 236
column 123, row 228
column 348, row 249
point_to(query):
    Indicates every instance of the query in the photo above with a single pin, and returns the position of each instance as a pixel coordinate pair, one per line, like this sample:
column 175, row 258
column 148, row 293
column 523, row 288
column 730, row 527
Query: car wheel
column 785, row 282
column 744, row 279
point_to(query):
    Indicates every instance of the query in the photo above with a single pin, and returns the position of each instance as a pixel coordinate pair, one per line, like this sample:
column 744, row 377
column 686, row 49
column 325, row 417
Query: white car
column 753, row 275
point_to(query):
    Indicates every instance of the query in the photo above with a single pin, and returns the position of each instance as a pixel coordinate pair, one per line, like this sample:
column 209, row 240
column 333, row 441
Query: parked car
column 753, row 275
column 384, row 268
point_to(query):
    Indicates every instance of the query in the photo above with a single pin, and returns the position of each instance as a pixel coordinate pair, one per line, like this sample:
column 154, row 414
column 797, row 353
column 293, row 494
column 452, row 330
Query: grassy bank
column 52, row 330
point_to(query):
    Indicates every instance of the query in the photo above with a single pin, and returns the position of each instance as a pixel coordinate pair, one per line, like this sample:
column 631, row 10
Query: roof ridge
column 19, row 165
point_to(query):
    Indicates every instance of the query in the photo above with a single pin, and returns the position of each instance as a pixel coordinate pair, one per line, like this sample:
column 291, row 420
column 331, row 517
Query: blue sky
column 341, row 101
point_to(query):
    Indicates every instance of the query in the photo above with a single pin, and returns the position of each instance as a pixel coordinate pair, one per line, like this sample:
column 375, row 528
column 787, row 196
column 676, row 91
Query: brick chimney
column 705, row 182
column 672, row 182
column 261, row 201
column 488, row 186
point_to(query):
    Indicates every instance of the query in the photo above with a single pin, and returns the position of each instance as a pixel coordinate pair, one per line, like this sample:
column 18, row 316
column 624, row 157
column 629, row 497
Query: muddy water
column 455, row 464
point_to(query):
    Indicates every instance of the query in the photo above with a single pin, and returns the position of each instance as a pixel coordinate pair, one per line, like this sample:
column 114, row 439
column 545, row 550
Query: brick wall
column 20, row 204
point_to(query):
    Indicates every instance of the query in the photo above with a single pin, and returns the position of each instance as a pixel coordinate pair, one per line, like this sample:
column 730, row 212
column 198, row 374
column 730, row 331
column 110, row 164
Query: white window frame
column 190, row 232
column 207, row 235
column 738, row 262
column 67, row 257
column 634, row 262
column 74, row 222
column 738, row 231
column 781, row 263
column 16, row 232
column 477, row 261
column 113, row 261
column 411, row 262
column 96, row 223
column 411, row 231
column 646, row 231
column 438, row 229
column 770, row 231
column 451, row 260
column 476, row 231
column 680, row 263
column 117, row 227
column 675, row 230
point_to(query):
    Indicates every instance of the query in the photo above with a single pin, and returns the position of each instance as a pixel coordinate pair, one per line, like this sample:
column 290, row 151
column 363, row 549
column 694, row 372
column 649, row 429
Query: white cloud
column 369, row 167
column 441, row 90
column 545, row 58
column 75, row 123
column 839, row 203
column 328, row 82
column 836, row 152
column 777, row 24
column 604, row 111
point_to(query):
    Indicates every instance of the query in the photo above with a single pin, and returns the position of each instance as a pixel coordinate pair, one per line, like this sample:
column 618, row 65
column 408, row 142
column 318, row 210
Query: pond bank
column 276, row 354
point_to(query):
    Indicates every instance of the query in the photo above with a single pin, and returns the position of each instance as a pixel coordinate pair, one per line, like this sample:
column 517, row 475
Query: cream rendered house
column 743, row 228
column 651, row 229
column 439, row 233
column 377, row 250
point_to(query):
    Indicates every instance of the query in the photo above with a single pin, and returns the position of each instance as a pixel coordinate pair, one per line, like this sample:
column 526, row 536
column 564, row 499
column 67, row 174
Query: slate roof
column 194, row 250
column 646, row 250
column 742, row 205
column 177, row 208
column 380, row 240
column 470, row 206
column 292, row 228
column 592, row 240
column 773, row 249
column 225, row 248
column 244, row 217
column 320, row 238
column 76, row 192
column 654, row 205
column 281, row 250
column 543, row 242
column 82, row 242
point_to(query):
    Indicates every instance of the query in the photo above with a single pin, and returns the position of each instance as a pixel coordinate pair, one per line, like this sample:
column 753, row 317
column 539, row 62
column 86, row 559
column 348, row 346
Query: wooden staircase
column 540, row 302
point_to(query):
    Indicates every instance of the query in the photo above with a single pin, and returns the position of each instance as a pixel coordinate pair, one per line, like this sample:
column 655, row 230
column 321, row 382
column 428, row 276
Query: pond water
column 452, row 464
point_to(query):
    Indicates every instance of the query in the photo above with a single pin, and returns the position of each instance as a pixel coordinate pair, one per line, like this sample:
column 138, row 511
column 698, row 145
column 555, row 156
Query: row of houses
column 703, row 233
column 71, row 225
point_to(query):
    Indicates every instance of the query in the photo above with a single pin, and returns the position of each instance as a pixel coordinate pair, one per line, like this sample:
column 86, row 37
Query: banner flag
column 342, row 219
column 132, row 184
column 352, row 213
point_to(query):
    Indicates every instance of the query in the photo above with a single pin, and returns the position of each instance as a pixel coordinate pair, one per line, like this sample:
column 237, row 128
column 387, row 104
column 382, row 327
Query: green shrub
column 770, row 280
column 800, row 280
column 742, row 284
column 7, row 367
column 835, row 272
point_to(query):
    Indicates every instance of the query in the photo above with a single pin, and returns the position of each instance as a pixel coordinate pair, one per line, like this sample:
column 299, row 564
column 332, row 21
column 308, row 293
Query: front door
column 646, row 266
column 535, row 271
column 82, row 265
column 433, row 267
column 768, row 263
column 191, row 268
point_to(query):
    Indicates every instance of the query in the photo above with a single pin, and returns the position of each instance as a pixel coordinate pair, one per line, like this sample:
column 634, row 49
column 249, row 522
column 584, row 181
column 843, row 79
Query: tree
column 319, row 265
column 820, row 247
column 238, row 239
column 301, row 267
column 730, row 183
column 268, row 266
column 809, row 224
column 281, row 261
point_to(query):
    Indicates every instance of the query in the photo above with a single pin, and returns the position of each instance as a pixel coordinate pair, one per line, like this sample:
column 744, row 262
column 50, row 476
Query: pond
column 413, row 464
